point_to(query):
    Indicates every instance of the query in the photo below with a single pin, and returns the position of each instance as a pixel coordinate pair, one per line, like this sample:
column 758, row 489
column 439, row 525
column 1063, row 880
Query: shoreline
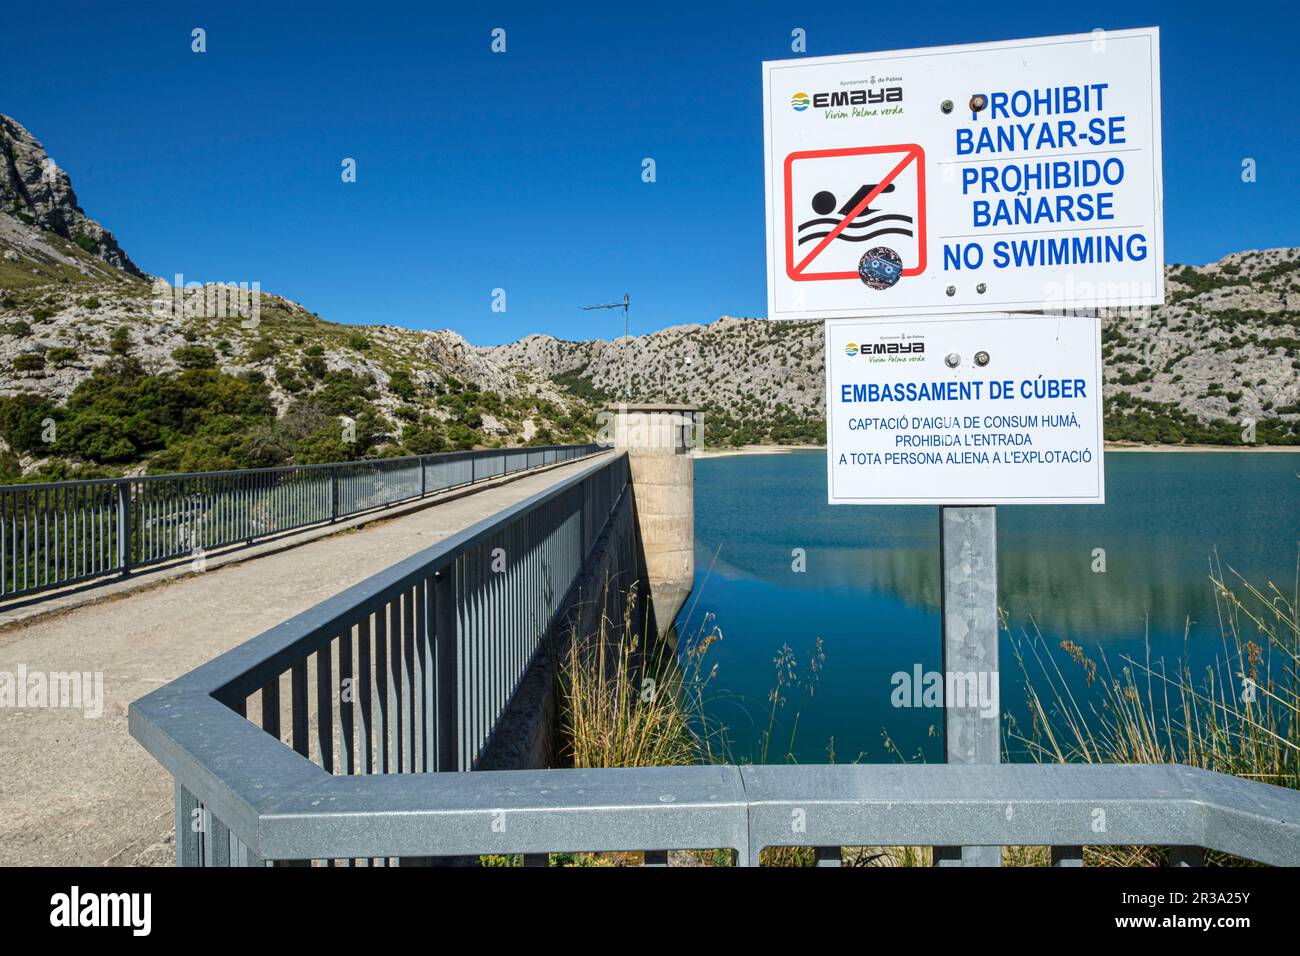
column 1110, row 447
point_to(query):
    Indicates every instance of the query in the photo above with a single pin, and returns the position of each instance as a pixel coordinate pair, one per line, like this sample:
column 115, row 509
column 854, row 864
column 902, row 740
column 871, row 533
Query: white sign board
column 965, row 410
column 1022, row 175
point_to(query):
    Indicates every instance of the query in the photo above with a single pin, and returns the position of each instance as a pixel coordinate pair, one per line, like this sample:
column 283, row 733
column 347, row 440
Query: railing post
column 125, row 528
column 445, row 668
column 189, row 840
column 334, row 495
column 969, row 568
column 828, row 856
column 1182, row 856
column 1066, row 856
column 423, row 483
column 583, row 508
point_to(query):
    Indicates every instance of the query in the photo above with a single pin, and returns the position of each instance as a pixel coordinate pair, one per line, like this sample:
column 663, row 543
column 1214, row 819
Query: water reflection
column 871, row 584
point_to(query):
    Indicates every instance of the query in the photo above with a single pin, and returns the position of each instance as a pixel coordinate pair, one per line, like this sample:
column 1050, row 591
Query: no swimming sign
column 1023, row 175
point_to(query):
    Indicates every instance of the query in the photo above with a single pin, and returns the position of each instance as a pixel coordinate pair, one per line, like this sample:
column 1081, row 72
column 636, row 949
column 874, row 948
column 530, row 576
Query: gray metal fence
column 62, row 533
column 319, row 742
column 405, row 673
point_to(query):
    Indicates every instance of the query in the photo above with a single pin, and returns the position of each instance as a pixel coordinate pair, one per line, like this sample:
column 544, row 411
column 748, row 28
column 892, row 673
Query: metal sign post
column 972, row 712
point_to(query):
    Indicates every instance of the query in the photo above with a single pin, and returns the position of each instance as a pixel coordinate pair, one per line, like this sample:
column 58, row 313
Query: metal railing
column 408, row 672
column 62, row 533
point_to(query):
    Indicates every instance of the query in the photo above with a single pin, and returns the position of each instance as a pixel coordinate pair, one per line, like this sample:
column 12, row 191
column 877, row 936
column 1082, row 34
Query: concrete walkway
column 79, row 790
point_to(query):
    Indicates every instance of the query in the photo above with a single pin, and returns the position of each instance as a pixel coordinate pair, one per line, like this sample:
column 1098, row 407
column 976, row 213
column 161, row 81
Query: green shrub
column 88, row 243
column 120, row 342
column 260, row 351
column 195, row 356
column 18, row 329
column 401, row 384
column 22, row 419
column 120, row 414
column 461, row 436
column 345, row 393
column 288, row 379
column 29, row 362
column 423, row 440
column 358, row 341
column 98, row 437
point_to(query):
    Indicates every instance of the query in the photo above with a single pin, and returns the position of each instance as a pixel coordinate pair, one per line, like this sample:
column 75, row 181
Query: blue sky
column 522, row 171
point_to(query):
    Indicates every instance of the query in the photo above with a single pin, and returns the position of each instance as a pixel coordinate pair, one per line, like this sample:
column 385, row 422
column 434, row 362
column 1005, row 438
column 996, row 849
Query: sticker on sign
column 1019, row 175
column 1002, row 409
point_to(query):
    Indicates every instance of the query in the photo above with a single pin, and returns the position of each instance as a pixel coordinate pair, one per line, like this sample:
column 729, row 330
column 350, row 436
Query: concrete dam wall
column 646, row 556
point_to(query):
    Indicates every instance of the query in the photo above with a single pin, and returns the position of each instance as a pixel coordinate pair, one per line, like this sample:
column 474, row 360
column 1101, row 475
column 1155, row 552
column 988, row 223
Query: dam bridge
column 386, row 696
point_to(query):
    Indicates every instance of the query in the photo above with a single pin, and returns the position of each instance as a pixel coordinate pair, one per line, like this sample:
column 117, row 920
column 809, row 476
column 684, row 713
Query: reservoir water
column 869, row 588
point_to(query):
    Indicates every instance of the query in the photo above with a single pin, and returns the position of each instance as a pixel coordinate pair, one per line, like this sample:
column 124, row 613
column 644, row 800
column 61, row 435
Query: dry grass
column 624, row 698
column 1240, row 717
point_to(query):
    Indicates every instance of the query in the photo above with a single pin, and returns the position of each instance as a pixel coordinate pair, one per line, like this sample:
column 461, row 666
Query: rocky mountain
column 1223, row 349
column 36, row 193
column 135, row 374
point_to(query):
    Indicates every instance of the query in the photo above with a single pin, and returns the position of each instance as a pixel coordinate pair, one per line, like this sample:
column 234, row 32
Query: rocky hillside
column 1224, row 348
column 35, row 192
column 760, row 381
column 83, row 348
column 90, row 345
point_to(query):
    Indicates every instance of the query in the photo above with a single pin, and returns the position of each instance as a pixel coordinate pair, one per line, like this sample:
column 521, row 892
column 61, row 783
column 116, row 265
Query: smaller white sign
column 945, row 410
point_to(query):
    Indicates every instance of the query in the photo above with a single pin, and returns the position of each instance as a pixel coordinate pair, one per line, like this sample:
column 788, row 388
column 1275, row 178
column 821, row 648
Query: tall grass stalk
column 623, row 697
column 1241, row 716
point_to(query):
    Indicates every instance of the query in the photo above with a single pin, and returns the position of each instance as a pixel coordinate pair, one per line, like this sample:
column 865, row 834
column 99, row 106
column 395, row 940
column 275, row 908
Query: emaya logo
column 885, row 348
column 859, row 97
column 103, row 909
column 964, row 690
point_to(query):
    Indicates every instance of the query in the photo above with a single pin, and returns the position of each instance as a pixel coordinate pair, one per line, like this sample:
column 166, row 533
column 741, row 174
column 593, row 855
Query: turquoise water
column 870, row 590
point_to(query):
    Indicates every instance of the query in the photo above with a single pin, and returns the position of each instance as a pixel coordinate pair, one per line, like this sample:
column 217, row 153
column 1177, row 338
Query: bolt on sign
column 1022, row 175
column 952, row 410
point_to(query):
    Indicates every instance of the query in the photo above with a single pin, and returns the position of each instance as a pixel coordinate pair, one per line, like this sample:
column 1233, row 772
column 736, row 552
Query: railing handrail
column 283, row 806
column 750, row 808
column 54, row 534
column 315, row 466
column 240, row 770
column 326, row 618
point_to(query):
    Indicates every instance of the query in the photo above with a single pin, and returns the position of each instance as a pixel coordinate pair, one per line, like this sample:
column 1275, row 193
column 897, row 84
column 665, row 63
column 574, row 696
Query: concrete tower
column 659, row 440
